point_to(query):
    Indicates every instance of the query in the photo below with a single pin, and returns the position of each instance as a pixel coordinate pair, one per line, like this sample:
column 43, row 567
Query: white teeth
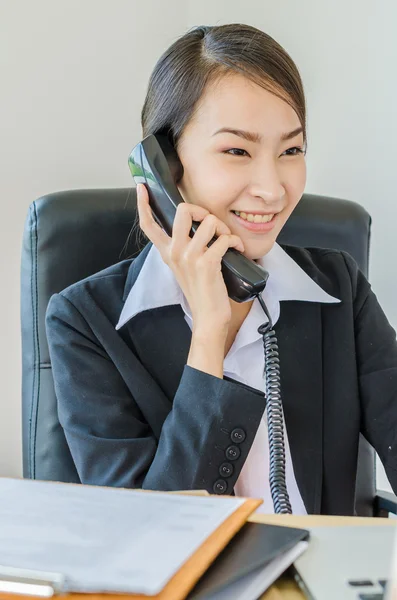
column 254, row 218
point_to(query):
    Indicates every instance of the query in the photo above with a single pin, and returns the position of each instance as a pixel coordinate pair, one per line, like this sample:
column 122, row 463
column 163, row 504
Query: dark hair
column 204, row 55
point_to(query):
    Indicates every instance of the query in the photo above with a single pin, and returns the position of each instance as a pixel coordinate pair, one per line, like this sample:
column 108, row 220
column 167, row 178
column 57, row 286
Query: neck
column 239, row 312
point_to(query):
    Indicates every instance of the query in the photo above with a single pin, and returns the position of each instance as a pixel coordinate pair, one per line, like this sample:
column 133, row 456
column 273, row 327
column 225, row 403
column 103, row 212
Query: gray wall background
column 73, row 77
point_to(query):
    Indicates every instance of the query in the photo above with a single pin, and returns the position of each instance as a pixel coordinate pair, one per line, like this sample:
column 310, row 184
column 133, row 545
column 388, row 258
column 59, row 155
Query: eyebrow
column 256, row 137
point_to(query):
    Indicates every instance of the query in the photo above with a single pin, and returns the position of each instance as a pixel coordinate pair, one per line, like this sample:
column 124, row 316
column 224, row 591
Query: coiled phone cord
column 274, row 413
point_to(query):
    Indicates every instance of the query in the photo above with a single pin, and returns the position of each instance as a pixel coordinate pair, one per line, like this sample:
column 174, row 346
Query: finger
column 185, row 215
column 218, row 249
column 150, row 228
column 211, row 226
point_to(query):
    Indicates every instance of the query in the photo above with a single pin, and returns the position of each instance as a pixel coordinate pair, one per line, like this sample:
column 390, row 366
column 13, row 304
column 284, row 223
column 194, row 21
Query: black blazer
column 135, row 415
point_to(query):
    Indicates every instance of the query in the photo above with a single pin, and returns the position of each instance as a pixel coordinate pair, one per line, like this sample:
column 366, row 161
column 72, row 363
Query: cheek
column 213, row 189
column 300, row 181
column 296, row 185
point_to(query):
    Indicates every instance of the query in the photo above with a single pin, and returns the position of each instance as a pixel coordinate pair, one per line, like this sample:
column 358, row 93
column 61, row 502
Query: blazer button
column 220, row 486
column 226, row 469
column 238, row 435
column 232, row 452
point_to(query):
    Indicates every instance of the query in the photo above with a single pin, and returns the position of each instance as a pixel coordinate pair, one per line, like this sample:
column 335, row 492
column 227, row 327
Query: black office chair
column 70, row 235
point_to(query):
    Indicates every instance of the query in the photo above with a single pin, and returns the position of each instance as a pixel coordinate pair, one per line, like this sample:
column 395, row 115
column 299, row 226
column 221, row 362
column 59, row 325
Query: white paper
column 104, row 539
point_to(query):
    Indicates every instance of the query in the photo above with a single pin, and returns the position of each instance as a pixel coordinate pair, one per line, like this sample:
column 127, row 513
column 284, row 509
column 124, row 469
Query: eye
column 238, row 150
column 295, row 151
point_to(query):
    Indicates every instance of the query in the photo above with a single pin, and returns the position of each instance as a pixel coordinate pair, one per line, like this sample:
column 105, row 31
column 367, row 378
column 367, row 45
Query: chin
column 259, row 251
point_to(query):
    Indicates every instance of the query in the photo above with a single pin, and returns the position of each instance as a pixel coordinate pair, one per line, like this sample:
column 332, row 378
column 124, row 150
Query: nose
column 266, row 183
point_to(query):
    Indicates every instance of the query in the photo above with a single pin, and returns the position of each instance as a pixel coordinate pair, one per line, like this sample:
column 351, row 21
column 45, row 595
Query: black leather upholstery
column 70, row 235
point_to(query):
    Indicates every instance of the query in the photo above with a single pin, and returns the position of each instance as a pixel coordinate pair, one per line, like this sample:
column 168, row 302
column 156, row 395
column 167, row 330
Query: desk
column 286, row 588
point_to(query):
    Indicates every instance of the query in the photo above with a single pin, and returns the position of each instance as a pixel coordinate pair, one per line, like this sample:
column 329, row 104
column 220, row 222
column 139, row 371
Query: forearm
column 196, row 438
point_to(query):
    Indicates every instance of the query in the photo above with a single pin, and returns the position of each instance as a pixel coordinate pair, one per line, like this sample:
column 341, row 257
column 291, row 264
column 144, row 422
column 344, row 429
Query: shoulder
column 111, row 278
column 94, row 297
column 335, row 271
column 101, row 296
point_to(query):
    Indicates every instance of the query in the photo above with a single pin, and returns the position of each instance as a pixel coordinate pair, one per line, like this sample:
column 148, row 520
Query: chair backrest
column 73, row 234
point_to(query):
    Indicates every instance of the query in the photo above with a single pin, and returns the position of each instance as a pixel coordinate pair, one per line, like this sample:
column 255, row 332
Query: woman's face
column 227, row 173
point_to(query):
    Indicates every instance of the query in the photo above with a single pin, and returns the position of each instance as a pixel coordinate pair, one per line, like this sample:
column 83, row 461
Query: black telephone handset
column 155, row 162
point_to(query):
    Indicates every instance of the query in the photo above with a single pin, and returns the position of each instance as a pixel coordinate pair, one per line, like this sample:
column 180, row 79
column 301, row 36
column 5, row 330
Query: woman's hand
column 196, row 267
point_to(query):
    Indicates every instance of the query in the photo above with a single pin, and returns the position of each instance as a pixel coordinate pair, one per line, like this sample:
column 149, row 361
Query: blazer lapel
column 151, row 335
column 134, row 270
column 161, row 338
column 299, row 334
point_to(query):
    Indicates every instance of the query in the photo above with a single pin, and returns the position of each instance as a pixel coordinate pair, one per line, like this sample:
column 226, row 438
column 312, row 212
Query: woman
column 158, row 374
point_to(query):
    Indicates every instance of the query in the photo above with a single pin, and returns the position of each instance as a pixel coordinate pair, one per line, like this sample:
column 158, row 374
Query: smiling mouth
column 254, row 217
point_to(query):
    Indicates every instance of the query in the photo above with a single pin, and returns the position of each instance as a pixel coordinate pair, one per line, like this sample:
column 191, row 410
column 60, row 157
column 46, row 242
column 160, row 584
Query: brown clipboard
column 185, row 579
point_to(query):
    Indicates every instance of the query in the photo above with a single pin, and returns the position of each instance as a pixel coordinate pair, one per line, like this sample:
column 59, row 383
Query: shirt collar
column 156, row 286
